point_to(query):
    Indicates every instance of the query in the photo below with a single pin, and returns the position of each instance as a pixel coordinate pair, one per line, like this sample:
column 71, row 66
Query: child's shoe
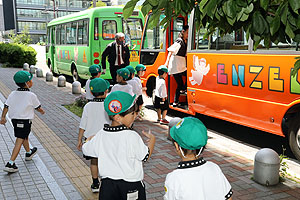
column 95, row 187
column 157, row 121
column 164, row 121
column 11, row 168
column 28, row 156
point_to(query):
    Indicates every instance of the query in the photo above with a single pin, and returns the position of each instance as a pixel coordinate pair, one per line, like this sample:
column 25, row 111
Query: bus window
column 133, row 28
column 233, row 41
column 71, row 33
column 82, row 37
column 63, row 34
column 177, row 27
column 154, row 37
column 57, row 40
column 96, row 29
column 280, row 46
column 109, row 29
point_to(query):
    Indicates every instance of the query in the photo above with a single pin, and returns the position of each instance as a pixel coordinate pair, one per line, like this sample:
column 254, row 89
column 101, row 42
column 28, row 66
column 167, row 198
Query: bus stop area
column 60, row 172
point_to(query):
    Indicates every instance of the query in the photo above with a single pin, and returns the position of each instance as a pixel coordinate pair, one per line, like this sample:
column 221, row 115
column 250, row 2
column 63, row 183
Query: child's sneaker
column 28, row 156
column 10, row 168
column 95, row 187
column 164, row 121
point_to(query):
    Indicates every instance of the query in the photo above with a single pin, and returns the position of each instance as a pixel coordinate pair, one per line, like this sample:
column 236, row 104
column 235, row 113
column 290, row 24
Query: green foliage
column 283, row 165
column 263, row 20
column 269, row 20
column 23, row 38
column 81, row 101
column 15, row 55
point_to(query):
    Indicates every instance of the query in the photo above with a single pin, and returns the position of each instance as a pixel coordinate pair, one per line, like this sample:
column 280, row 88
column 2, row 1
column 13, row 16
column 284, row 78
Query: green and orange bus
column 77, row 41
column 226, row 79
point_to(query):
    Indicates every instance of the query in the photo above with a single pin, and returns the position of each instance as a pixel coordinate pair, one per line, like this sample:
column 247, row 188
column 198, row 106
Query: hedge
column 15, row 55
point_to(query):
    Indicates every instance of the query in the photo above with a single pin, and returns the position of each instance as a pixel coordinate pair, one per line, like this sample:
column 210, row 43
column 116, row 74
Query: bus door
column 133, row 28
column 50, row 44
column 152, row 53
column 175, row 29
column 108, row 27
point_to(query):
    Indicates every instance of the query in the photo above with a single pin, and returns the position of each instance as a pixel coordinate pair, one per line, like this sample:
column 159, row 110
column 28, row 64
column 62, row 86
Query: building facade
column 35, row 14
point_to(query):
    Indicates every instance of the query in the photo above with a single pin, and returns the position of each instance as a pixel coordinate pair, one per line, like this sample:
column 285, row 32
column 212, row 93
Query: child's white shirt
column 197, row 180
column 21, row 104
column 160, row 88
column 125, row 88
column 135, row 86
column 93, row 117
column 120, row 153
column 88, row 94
column 140, row 87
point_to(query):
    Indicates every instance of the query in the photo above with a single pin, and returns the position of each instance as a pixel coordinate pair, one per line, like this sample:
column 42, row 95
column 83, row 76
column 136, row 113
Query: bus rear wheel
column 294, row 137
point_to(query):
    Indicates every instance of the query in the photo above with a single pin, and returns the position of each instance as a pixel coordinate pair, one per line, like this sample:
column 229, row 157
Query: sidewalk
column 55, row 134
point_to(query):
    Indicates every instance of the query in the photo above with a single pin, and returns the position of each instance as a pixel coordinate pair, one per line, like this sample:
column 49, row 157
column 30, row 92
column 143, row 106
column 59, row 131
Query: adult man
column 118, row 56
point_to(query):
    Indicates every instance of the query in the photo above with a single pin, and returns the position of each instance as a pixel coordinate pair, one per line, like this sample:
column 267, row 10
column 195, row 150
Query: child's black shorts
column 22, row 127
column 119, row 189
column 159, row 104
column 140, row 100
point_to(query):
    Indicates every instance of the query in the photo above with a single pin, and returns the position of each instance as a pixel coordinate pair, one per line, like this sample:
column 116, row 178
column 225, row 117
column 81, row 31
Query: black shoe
column 28, row 156
column 10, row 168
column 95, row 187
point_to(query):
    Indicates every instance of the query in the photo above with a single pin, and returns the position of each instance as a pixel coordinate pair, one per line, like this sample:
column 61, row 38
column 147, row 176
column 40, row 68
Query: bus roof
column 107, row 11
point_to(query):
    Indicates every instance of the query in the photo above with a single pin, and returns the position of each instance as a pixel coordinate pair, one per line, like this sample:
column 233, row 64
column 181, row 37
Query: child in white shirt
column 93, row 119
column 122, row 76
column 95, row 71
column 120, row 151
column 161, row 102
column 194, row 178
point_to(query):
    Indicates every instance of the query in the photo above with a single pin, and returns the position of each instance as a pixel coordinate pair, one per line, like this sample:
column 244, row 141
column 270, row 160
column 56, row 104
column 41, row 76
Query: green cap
column 118, row 102
column 140, row 67
column 163, row 68
column 98, row 85
column 123, row 73
column 94, row 69
column 22, row 77
column 131, row 69
column 107, row 83
column 189, row 133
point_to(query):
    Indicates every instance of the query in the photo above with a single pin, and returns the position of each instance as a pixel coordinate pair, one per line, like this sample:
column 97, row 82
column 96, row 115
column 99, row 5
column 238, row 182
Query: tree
column 23, row 38
column 263, row 20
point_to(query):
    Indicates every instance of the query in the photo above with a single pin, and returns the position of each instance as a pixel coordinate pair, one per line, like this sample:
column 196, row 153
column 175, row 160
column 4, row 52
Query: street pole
column 54, row 9
column 94, row 3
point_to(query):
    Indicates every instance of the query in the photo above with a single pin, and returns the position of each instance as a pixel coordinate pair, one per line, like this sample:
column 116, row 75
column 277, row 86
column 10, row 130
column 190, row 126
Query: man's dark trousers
column 113, row 71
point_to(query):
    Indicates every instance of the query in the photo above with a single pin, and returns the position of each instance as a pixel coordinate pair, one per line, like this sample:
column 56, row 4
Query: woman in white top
column 176, row 61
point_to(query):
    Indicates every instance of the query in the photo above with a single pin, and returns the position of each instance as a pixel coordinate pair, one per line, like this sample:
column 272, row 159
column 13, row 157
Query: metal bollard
column 61, row 81
column 266, row 167
column 26, row 67
column 76, row 87
column 172, row 123
column 49, row 77
column 32, row 69
column 39, row 72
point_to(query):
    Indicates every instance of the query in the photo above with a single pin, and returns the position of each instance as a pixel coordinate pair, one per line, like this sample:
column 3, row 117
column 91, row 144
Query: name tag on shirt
column 20, row 125
column 133, row 195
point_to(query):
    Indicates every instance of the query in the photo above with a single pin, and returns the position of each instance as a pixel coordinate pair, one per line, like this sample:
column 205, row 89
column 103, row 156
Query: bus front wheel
column 76, row 77
column 294, row 137
column 52, row 70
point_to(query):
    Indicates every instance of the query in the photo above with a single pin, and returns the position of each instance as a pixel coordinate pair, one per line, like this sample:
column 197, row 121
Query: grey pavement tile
column 74, row 196
column 48, row 197
column 11, row 197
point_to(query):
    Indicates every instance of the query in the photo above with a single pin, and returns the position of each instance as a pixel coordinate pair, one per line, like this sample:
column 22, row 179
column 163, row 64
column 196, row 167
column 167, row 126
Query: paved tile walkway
column 57, row 131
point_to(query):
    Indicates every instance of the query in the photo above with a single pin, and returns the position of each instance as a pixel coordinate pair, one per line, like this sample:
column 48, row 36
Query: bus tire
column 294, row 137
column 76, row 77
column 52, row 70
